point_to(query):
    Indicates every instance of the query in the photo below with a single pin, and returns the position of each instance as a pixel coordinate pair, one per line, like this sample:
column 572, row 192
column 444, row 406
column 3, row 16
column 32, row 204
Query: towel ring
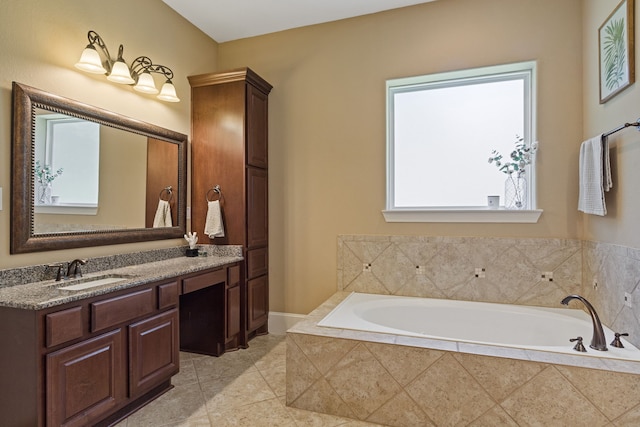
column 169, row 193
column 215, row 189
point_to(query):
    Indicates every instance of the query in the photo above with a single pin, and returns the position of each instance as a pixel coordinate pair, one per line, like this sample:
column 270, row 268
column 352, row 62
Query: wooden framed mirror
column 105, row 189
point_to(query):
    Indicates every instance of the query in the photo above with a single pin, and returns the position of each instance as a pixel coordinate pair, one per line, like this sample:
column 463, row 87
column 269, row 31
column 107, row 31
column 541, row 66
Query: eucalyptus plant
column 45, row 175
column 519, row 158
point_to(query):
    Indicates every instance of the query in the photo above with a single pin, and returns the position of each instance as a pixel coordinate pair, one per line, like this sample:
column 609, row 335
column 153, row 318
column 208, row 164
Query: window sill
column 463, row 215
column 67, row 209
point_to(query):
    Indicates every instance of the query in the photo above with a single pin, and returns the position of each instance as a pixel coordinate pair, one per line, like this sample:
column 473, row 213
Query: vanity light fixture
column 139, row 74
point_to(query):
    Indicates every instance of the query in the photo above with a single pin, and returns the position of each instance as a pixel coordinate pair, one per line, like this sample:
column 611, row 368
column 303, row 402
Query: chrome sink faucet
column 73, row 269
column 598, row 341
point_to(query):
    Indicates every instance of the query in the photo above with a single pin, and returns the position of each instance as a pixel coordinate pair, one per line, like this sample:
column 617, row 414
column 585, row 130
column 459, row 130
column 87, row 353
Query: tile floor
column 240, row 388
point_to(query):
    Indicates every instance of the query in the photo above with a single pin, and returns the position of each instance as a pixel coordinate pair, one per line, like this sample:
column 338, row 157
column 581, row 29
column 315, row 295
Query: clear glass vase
column 515, row 191
column 43, row 194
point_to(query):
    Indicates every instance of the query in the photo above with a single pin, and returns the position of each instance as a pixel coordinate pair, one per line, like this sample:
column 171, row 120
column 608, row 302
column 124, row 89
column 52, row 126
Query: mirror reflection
column 83, row 176
column 85, row 173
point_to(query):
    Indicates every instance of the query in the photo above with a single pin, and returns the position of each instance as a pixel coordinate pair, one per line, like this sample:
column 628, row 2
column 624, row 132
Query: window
column 442, row 129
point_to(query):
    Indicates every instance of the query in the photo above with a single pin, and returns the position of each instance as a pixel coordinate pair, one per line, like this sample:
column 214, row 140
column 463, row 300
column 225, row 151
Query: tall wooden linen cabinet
column 229, row 115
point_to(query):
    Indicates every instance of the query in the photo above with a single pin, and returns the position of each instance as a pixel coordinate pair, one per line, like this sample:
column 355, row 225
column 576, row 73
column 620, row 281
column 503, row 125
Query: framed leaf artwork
column 616, row 51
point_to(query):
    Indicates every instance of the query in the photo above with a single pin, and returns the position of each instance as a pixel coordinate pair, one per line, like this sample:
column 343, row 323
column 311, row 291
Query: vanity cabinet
column 95, row 360
column 229, row 117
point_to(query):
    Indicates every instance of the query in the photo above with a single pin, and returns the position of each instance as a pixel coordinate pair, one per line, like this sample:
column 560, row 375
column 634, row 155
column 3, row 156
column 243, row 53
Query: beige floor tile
column 176, row 406
column 266, row 413
column 248, row 388
column 229, row 365
column 277, row 379
column 275, row 356
column 187, row 374
column 241, row 388
column 315, row 419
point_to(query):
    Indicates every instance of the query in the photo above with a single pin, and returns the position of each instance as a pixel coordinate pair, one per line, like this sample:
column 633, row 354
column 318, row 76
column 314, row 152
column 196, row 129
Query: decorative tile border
column 503, row 270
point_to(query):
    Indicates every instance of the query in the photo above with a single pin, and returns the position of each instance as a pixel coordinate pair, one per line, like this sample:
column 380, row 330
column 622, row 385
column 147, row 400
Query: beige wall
column 327, row 122
column 327, row 112
column 41, row 40
column 621, row 225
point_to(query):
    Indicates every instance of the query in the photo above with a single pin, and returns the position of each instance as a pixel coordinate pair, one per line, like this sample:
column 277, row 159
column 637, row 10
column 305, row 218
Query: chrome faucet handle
column 616, row 341
column 579, row 346
column 58, row 272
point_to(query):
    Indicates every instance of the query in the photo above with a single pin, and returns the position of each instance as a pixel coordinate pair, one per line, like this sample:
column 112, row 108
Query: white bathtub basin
column 524, row 327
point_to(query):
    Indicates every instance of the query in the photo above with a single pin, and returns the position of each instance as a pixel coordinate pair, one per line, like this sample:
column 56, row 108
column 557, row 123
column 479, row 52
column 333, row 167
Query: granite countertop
column 45, row 293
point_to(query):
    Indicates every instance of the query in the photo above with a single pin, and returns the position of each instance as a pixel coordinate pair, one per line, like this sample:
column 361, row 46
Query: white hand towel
column 213, row 226
column 163, row 215
column 595, row 175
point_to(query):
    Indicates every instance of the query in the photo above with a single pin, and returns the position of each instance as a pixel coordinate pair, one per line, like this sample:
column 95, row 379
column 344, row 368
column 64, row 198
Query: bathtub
column 407, row 361
column 488, row 324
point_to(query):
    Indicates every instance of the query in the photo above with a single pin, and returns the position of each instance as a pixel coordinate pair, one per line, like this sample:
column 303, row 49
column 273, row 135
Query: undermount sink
column 93, row 282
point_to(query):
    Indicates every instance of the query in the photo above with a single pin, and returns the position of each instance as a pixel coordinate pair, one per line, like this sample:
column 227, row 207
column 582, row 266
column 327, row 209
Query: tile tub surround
column 616, row 273
column 513, row 269
column 404, row 381
column 33, row 288
column 447, row 266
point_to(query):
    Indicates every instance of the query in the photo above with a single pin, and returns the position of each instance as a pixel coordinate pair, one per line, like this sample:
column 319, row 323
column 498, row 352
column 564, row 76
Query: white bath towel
column 595, row 175
column 213, row 226
column 163, row 215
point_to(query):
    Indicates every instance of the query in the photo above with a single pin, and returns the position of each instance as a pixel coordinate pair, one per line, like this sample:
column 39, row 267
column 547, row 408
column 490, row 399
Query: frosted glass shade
column 90, row 61
column 146, row 84
column 120, row 74
column 168, row 92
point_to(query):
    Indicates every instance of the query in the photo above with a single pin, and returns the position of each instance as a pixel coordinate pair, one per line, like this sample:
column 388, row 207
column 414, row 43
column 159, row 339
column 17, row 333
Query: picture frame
column 616, row 56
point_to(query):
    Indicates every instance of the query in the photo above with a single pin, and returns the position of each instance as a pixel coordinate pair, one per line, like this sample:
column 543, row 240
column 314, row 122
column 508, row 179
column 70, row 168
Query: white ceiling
column 226, row 20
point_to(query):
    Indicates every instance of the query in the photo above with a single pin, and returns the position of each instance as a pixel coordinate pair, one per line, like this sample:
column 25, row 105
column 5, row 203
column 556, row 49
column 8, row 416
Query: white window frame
column 392, row 213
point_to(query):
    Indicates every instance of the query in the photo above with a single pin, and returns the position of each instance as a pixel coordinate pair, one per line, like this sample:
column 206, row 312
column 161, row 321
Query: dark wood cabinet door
column 257, row 133
column 85, row 381
column 257, row 208
column 257, row 302
column 153, row 351
column 233, row 312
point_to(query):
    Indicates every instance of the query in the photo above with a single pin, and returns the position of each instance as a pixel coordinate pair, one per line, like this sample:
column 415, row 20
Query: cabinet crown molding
column 239, row 74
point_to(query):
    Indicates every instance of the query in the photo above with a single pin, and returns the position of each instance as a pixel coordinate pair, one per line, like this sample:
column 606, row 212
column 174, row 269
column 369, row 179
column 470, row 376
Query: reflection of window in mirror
column 73, row 145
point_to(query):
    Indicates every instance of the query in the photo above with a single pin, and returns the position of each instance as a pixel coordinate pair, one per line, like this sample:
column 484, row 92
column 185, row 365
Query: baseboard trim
column 280, row 322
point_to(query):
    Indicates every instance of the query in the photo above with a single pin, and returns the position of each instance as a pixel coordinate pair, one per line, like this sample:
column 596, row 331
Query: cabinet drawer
column 257, row 262
column 168, row 295
column 204, row 280
column 233, row 276
column 63, row 326
column 113, row 311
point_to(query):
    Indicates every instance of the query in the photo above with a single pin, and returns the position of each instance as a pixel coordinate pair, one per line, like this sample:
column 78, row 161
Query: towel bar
column 619, row 128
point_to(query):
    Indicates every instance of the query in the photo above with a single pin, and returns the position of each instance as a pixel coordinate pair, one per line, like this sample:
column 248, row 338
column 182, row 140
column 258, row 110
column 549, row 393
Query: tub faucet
column 598, row 341
column 74, row 268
